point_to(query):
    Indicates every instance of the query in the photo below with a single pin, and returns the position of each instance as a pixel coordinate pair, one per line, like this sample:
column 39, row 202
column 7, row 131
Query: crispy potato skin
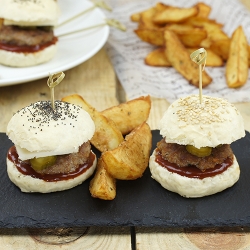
column 237, row 63
column 189, row 35
column 179, row 57
column 221, row 48
column 130, row 159
column 203, row 10
column 152, row 36
column 103, row 185
column 157, row 58
column 129, row 115
column 174, row 14
column 107, row 136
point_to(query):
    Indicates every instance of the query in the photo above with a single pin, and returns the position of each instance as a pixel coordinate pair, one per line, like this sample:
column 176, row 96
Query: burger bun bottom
column 194, row 187
column 29, row 184
column 14, row 59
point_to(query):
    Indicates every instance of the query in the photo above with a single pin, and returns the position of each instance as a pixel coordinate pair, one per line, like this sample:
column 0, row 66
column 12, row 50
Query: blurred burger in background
column 26, row 32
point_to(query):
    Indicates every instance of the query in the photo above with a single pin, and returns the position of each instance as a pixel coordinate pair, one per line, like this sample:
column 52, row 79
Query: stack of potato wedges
column 124, row 140
column 177, row 32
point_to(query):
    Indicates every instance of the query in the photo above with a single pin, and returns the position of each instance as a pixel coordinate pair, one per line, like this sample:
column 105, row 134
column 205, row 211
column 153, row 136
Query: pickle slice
column 42, row 162
column 200, row 152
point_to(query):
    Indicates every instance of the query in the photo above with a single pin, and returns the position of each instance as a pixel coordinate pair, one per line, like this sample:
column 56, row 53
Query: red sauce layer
column 192, row 171
column 25, row 168
column 26, row 48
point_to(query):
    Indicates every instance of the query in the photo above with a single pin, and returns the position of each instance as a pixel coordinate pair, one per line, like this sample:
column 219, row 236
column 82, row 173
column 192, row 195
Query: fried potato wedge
column 221, row 48
column 130, row 159
column 179, row 58
column 175, row 15
column 152, row 36
column 213, row 36
column 161, row 6
column 203, row 10
column 107, row 136
column 146, row 19
column 190, row 36
column 129, row 115
column 135, row 17
column 248, row 55
column 202, row 22
column 157, row 58
column 103, row 185
column 213, row 60
column 237, row 63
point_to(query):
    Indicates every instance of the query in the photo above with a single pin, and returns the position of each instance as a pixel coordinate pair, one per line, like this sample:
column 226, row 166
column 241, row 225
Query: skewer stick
column 53, row 81
column 200, row 56
column 111, row 22
column 100, row 4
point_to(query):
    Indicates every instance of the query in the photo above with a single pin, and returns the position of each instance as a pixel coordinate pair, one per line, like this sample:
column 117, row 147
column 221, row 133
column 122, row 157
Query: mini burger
column 26, row 32
column 194, row 158
column 51, row 149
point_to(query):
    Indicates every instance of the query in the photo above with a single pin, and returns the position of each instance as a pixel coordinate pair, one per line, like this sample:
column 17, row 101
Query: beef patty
column 175, row 153
column 69, row 162
column 29, row 36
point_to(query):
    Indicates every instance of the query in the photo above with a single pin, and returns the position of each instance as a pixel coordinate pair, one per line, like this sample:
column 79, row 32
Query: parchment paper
column 127, row 53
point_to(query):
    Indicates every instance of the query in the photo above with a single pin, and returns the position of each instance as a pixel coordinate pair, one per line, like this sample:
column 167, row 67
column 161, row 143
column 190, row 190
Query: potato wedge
column 237, row 63
column 248, row 55
column 221, row 48
column 203, row 10
column 129, row 115
column 161, row 6
column 213, row 36
column 130, row 159
column 103, row 185
column 213, row 60
column 157, row 58
column 190, row 36
column 107, row 136
column 135, row 17
column 174, row 15
column 202, row 22
column 152, row 36
column 146, row 19
column 179, row 58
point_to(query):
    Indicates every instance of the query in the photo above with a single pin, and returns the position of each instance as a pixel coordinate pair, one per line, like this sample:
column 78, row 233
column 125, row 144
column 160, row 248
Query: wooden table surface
column 96, row 81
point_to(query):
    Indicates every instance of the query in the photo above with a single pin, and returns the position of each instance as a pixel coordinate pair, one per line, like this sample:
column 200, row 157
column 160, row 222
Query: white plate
column 72, row 49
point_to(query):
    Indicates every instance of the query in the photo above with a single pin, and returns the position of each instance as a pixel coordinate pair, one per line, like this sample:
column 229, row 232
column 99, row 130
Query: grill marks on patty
column 25, row 36
column 178, row 154
column 70, row 162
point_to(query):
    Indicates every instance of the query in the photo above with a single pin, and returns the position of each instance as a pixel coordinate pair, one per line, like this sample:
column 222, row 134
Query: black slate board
column 141, row 202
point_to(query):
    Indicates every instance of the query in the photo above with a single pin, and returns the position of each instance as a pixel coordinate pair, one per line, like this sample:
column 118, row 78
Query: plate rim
column 43, row 73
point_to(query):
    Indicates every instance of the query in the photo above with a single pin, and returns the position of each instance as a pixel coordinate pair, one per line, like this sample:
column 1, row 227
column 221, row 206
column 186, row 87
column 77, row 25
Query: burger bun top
column 29, row 12
column 37, row 130
column 210, row 123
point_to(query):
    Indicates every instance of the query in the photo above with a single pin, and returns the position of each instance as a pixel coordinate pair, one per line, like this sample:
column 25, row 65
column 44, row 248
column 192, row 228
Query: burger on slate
column 51, row 149
column 26, row 32
column 194, row 158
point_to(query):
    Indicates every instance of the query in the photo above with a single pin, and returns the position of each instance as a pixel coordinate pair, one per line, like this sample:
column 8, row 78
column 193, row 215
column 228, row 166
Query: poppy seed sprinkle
column 41, row 113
